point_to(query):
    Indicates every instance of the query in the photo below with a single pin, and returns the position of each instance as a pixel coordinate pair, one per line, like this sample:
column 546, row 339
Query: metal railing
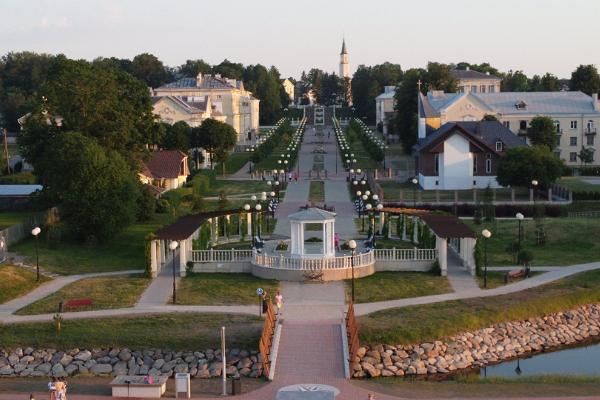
column 352, row 332
column 342, row 262
column 266, row 338
column 584, row 214
column 414, row 254
column 207, row 256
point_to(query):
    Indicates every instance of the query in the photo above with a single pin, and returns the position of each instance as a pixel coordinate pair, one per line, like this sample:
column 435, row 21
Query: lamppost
column 415, row 182
column 173, row 245
column 365, row 197
column 379, row 208
column 519, row 217
column 486, row 235
column 263, row 198
column 369, row 207
column 350, row 173
column 258, row 207
column 247, row 208
column 534, row 184
column 35, row 232
column 352, row 246
column 277, row 189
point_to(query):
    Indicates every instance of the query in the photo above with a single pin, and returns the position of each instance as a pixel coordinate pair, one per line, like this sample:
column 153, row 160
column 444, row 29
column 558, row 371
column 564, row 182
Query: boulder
column 84, row 355
column 101, row 369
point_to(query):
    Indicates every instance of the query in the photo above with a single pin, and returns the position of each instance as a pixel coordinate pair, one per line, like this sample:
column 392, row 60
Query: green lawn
column 316, row 192
column 230, row 187
column 577, row 184
column 184, row 331
column 391, row 243
column 569, row 241
column 441, row 320
column 394, row 190
column 234, row 163
column 496, row 279
column 124, row 252
column 244, row 245
column 384, row 286
column 15, row 282
column 222, row 289
column 9, row 218
column 105, row 293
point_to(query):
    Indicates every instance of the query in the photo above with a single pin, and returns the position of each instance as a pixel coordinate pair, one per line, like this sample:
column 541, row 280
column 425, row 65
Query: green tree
column 218, row 138
column 406, row 108
column 229, row 69
column 542, row 132
column 515, row 81
column 586, row 155
column 265, row 85
column 95, row 188
column 523, row 164
column 586, row 79
column 195, row 67
column 550, row 83
column 489, row 117
column 178, row 137
column 150, row 69
column 368, row 83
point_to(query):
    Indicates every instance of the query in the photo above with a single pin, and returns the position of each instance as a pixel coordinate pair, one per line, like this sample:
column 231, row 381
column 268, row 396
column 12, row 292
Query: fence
column 414, row 254
column 266, row 338
column 343, row 262
column 584, row 214
column 18, row 232
column 207, row 256
column 352, row 332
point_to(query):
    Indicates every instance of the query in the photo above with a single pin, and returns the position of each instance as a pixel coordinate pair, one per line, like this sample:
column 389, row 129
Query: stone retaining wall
column 115, row 361
column 490, row 345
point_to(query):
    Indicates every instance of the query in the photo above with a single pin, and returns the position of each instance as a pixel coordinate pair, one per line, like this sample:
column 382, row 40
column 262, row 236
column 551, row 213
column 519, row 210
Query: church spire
column 344, row 51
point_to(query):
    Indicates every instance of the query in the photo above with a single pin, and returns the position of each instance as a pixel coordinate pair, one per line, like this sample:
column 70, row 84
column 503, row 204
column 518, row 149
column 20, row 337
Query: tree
column 489, row 117
column 523, row 164
column 515, row 81
column 265, row 85
column 586, row 79
column 95, row 187
column 178, row 137
column 149, row 69
column 195, row 67
column 229, row 69
column 542, row 132
column 586, row 155
column 550, row 83
column 368, row 83
column 218, row 138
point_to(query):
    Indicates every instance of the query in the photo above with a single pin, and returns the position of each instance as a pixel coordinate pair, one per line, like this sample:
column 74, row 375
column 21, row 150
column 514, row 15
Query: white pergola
column 298, row 221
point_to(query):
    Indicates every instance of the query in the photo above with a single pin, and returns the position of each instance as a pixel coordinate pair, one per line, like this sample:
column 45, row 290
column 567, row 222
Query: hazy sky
column 533, row 35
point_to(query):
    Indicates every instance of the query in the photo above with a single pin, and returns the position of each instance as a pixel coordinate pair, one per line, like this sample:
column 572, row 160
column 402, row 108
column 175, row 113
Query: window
column 474, row 89
column 492, row 89
column 482, row 88
column 474, row 164
column 523, row 125
column 499, row 146
column 488, row 163
column 573, row 140
column 573, row 124
column 557, row 125
column 461, row 89
column 506, row 124
column 589, row 140
column 572, row 156
column 521, row 105
column 557, row 153
column 436, row 164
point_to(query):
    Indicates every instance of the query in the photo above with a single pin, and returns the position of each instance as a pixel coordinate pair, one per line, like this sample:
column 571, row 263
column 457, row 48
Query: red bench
column 514, row 274
column 76, row 303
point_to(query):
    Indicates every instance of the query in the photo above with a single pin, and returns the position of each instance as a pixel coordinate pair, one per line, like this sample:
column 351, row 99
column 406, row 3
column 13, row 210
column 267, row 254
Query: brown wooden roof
column 443, row 225
column 166, row 164
column 185, row 226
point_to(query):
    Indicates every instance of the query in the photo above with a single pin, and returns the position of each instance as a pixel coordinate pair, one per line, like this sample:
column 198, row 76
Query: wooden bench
column 77, row 303
column 514, row 274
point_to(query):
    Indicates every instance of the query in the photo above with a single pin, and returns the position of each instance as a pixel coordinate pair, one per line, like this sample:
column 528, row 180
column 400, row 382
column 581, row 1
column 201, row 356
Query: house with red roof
column 166, row 170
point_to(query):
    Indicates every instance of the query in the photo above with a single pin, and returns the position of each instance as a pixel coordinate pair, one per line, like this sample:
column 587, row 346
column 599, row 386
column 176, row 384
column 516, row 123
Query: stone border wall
column 25, row 362
column 486, row 346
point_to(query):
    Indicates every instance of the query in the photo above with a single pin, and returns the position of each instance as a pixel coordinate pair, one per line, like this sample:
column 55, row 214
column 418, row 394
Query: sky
column 535, row 36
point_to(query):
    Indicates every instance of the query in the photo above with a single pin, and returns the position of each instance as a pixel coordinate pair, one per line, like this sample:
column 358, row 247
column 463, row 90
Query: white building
column 384, row 106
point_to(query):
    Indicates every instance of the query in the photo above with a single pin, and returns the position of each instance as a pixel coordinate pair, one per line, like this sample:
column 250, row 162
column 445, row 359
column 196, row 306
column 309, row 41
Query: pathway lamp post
column 534, row 184
column 520, row 218
column 350, row 172
column 379, row 208
column 277, row 190
column 352, row 246
column 258, row 207
column 248, row 209
column 358, row 197
column 35, row 232
column 486, row 235
column 415, row 182
column 365, row 197
column 369, row 208
column 173, row 246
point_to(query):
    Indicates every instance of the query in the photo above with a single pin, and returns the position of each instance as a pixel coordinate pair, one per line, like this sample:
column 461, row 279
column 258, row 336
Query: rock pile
column 200, row 364
column 490, row 345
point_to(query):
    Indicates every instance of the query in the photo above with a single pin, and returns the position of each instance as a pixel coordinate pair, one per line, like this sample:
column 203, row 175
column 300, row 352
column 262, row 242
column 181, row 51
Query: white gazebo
column 298, row 221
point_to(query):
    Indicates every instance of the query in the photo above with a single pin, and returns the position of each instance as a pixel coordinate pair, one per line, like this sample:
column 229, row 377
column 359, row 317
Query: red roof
column 166, row 164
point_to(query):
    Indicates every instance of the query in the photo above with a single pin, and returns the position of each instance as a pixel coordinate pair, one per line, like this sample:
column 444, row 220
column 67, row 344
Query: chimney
column 199, row 79
column 595, row 102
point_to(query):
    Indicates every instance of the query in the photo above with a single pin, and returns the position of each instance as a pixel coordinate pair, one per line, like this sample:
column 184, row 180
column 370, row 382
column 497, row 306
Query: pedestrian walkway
column 313, row 301
column 160, row 291
column 459, row 277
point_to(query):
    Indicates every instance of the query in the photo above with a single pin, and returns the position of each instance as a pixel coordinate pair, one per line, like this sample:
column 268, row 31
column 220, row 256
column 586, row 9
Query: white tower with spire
column 344, row 65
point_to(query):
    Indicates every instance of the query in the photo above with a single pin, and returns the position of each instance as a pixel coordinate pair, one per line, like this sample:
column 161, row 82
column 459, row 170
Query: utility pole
column 6, row 151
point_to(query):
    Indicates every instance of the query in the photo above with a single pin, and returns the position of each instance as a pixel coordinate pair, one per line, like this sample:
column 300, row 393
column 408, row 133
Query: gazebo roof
column 312, row 215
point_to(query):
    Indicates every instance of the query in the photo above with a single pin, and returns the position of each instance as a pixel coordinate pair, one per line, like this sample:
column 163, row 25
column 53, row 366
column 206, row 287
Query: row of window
column 476, row 89
column 588, row 139
column 574, row 155
column 523, row 124
column 488, row 164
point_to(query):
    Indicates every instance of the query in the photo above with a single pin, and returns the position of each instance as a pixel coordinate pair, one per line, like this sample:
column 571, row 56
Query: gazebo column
column 154, row 262
column 415, row 230
column 183, row 256
column 467, row 247
column 301, row 239
column 381, row 222
column 404, row 238
column 441, row 245
column 226, row 227
column 249, row 224
column 161, row 249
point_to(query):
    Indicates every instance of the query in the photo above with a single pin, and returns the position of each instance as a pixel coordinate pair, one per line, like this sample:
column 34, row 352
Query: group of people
column 58, row 389
column 278, row 302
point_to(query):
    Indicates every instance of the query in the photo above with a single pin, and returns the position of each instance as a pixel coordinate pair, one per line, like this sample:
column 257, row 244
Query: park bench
column 76, row 303
column 514, row 274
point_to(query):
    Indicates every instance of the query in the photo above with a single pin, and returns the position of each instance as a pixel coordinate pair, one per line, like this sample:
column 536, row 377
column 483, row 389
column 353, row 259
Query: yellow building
column 288, row 87
column 227, row 96
column 172, row 109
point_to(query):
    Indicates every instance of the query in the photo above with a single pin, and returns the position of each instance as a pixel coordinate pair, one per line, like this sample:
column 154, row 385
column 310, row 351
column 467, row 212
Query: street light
column 519, row 218
column 369, row 207
column 35, row 232
column 247, row 209
column 415, row 181
column 352, row 246
column 486, row 235
column 173, row 245
column 534, row 184
column 258, row 207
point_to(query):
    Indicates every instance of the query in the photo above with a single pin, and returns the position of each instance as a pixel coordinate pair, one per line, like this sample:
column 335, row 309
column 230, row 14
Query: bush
column 479, row 257
column 22, row 178
column 435, row 268
column 163, row 206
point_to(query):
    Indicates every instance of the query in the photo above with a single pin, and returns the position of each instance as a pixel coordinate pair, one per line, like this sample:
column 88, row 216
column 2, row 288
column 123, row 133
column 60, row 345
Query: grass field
column 15, row 282
column 185, row 331
column 578, row 184
column 391, row 244
column 496, row 279
column 441, row 320
column 475, row 387
column 568, row 241
column 317, row 191
column 222, row 289
column 394, row 191
column 234, row 163
column 9, row 218
column 124, row 252
column 105, row 293
column 397, row 285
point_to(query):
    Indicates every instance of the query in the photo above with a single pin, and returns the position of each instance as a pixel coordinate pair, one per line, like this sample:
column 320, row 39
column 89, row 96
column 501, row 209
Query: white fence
column 343, row 262
column 414, row 254
column 207, row 256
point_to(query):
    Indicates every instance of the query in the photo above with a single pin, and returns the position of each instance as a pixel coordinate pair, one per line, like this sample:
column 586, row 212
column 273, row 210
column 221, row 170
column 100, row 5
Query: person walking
column 279, row 302
column 52, row 388
column 59, row 385
column 336, row 241
column 265, row 297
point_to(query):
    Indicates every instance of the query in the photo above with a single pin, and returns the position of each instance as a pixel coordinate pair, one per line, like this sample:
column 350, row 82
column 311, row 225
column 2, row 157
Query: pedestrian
column 59, row 386
column 336, row 240
column 52, row 388
column 265, row 297
column 279, row 302
column 371, row 396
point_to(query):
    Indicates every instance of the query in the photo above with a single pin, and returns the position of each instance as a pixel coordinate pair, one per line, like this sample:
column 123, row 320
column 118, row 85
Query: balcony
column 591, row 131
